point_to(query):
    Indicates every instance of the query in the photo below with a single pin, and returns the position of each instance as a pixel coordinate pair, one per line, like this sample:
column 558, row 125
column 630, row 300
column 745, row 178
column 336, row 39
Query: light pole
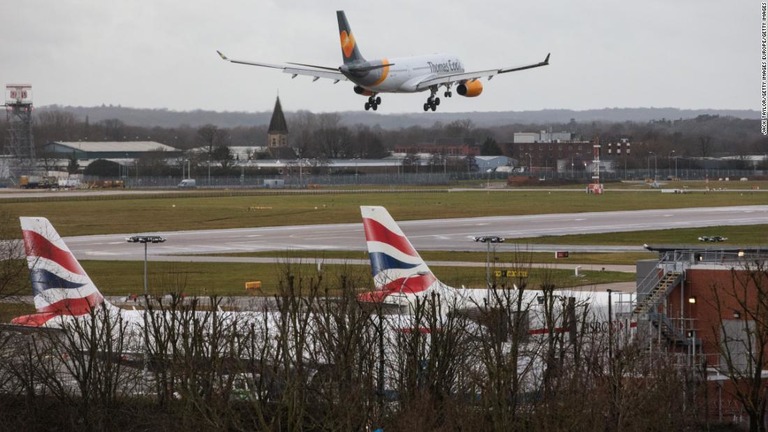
column 676, row 167
column 572, row 155
column 145, row 239
column 530, row 163
column 675, row 158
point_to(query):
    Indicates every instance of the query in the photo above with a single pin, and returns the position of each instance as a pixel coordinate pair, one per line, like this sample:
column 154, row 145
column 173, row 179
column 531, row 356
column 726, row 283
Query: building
column 92, row 150
column 542, row 152
column 277, row 134
column 708, row 306
column 492, row 163
column 541, row 137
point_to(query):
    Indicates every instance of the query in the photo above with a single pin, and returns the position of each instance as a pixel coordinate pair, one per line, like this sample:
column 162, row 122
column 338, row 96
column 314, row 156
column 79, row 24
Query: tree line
column 312, row 363
column 328, row 136
column 313, row 358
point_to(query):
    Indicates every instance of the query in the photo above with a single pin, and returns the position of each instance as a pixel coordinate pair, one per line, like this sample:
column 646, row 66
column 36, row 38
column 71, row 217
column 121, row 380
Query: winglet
column 546, row 60
column 223, row 57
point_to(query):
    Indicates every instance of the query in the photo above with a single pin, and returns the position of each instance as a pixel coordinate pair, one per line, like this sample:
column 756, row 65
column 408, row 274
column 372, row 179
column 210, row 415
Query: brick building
column 709, row 305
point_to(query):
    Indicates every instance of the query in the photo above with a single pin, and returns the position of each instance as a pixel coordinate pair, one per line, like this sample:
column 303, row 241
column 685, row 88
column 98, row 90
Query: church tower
column 277, row 134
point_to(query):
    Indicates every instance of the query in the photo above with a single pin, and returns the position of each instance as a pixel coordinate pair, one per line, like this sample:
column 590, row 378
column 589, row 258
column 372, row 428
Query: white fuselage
column 407, row 72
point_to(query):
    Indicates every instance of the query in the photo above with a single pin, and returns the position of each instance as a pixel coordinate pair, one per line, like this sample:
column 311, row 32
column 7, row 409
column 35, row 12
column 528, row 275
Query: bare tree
column 13, row 267
column 743, row 346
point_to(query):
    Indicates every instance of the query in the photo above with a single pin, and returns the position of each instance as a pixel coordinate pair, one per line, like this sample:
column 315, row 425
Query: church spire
column 278, row 125
column 277, row 134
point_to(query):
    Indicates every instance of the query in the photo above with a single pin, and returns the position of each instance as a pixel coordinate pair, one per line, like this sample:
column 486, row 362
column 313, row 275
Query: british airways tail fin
column 59, row 284
column 396, row 266
column 349, row 50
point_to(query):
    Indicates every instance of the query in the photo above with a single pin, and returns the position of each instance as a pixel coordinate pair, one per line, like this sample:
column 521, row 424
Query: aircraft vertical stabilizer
column 396, row 266
column 349, row 50
column 59, row 283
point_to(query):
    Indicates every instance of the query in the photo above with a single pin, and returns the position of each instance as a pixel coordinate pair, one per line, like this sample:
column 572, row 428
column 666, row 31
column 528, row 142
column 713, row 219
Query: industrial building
column 125, row 153
column 92, row 150
column 708, row 306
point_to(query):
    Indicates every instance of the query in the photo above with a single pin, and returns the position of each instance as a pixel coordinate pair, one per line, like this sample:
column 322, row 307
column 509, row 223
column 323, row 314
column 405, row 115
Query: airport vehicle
column 187, row 184
column 395, row 75
column 712, row 239
column 37, row 182
column 145, row 239
column 489, row 239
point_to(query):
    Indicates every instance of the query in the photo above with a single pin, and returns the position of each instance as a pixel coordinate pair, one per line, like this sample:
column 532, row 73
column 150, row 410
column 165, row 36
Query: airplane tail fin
column 395, row 264
column 59, row 284
column 349, row 50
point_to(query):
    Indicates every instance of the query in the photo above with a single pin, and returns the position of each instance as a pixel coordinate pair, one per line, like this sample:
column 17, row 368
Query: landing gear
column 448, row 93
column 373, row 102
column 432, row 101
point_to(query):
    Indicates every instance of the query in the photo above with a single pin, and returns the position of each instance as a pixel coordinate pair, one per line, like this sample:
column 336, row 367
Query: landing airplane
column 396, row 75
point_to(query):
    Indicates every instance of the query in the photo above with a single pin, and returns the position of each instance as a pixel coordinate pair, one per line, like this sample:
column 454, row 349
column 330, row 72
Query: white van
column 187, row 184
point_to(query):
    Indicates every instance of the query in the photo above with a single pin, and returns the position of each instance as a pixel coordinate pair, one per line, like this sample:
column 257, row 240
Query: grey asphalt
column 432, row 234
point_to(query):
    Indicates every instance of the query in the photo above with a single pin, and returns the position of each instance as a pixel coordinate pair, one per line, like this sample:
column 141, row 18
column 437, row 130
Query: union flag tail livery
column 59, row 284
column 397, row 268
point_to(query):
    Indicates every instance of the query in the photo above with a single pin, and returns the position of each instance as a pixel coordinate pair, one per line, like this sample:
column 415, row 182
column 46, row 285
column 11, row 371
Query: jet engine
column 470, row 88
column 362, row 91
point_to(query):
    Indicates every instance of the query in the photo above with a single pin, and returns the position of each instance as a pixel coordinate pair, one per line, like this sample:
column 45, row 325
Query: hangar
column 92, row 150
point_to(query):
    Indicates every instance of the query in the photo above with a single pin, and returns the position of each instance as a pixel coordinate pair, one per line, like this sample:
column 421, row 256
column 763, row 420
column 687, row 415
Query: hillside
column 169, row 119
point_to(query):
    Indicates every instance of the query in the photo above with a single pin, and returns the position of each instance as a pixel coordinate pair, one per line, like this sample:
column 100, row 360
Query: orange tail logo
column 347, row 44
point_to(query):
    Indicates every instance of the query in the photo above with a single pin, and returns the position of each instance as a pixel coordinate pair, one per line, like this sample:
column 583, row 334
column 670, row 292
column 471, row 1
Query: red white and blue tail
column 395, row 264
column 59, row 284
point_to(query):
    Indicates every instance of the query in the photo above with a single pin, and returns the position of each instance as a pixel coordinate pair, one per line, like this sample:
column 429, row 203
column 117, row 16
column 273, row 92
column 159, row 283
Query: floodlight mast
column 145, row 239
column 20, row 145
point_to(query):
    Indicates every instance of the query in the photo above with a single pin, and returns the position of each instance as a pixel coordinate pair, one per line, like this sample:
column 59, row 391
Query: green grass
column 742, row 235
column 619, row 258
column 80, row 216
column 127, row 214
column 121, row 278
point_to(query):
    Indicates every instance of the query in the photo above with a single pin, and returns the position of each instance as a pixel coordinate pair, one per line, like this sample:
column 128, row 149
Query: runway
column 432, row 234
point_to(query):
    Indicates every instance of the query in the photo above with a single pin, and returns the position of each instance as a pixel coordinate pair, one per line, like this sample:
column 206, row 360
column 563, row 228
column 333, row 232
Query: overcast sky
column 162, row 53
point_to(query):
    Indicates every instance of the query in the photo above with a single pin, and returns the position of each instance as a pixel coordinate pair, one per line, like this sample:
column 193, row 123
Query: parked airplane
column 65, row 297
column 402, row 278
column 60, row 286
column 63, row 291
column 396, row 75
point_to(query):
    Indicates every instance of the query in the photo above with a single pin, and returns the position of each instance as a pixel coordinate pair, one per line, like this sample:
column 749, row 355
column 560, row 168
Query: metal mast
column 20, row 147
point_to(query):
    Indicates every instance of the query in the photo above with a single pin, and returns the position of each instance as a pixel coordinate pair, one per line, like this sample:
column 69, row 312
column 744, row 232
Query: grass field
column 205, row 279
column 620, row 258
column 83, row 216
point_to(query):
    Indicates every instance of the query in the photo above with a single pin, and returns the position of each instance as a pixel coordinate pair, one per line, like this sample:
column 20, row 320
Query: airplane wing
column 295, row 69
column 468, row 76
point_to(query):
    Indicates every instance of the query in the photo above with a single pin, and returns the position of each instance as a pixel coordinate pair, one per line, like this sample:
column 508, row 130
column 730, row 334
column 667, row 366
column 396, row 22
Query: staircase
column 667, row 330
column 668, row 281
